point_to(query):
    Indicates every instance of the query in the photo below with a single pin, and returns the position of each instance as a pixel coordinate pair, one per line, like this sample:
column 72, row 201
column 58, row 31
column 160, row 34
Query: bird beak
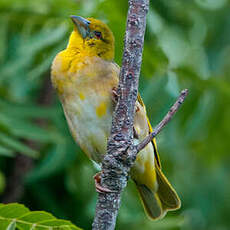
column 82, row 25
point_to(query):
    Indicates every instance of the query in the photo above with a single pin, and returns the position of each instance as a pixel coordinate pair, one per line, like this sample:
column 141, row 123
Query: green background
column 187, row 45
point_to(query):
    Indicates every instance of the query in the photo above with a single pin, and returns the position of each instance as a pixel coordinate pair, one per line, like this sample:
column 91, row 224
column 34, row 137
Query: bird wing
column 156, row 154
column 139, row 99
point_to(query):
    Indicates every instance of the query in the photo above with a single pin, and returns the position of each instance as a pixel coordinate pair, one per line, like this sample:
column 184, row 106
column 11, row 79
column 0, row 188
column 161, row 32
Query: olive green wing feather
column 157, row 157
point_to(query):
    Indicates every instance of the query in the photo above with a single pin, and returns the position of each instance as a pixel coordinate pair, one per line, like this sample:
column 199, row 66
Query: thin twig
column 165, row 120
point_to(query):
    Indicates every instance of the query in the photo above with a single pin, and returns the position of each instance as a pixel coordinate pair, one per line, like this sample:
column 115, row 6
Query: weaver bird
column 84, row 75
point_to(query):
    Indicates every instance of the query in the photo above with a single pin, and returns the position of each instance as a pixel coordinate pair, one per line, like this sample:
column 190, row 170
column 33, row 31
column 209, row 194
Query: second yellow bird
column 85, row 75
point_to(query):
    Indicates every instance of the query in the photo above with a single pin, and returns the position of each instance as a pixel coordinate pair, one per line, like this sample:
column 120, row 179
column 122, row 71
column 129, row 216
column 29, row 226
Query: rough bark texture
column 121, row 151
column 117, row 162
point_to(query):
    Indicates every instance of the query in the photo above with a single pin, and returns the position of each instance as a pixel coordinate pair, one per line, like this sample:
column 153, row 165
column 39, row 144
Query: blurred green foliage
column 187, row 45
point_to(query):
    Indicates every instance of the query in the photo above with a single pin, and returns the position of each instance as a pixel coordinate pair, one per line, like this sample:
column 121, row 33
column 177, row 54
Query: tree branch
column 121, row 151
column 165, row 120
column 117, row 163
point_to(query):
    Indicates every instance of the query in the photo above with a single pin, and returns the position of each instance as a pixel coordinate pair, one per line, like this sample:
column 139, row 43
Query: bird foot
column 114, row 95
column 99, row 188
column 115, row 98
column 137, row 109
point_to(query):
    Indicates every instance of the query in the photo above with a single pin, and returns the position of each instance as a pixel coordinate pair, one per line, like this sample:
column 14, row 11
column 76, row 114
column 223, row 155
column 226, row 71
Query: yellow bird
column 84, row 75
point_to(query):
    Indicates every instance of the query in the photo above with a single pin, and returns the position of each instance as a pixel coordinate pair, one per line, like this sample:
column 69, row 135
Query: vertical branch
column 118, row 161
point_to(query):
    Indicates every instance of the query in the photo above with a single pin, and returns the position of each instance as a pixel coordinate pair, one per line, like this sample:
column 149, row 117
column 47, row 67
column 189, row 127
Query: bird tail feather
column 157, row 203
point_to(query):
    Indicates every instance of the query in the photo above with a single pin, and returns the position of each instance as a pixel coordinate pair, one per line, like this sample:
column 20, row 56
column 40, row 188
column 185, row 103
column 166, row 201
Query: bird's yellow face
column 92, row 36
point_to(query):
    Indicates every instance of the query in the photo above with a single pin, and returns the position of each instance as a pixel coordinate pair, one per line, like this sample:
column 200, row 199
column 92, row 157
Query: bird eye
column 97, row 34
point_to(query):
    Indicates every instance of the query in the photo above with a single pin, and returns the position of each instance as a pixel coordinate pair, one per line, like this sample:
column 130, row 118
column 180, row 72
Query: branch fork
column 121, row 151
column 132, row 151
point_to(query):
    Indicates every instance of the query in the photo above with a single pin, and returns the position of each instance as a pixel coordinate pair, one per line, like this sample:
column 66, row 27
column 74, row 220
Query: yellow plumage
column 84, row 75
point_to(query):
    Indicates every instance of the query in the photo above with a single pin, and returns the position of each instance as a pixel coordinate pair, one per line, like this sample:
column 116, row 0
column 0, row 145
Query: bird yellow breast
column 86, row 96
column 101, row 109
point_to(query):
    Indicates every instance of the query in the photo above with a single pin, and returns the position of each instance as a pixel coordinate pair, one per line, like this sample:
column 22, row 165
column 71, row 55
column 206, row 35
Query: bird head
column 93, row 37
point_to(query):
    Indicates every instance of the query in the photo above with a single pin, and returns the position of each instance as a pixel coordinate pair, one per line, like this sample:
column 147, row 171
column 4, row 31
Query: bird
column 85, row 77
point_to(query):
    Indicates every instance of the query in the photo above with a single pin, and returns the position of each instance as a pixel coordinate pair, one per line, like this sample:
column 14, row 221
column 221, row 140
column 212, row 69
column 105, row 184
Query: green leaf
column 37, row 217
column 58, row 157
column 17, row 145
column 25, row 129
column 6, row 152
column 4, row 224
column 17, row 215
column 11, row 226
column 13, row 210
column 28, row 111
column 3, row 40
column 2, row 183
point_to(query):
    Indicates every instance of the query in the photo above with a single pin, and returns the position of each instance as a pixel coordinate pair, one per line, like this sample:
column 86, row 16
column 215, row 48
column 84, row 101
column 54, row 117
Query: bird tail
column 157, row 203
